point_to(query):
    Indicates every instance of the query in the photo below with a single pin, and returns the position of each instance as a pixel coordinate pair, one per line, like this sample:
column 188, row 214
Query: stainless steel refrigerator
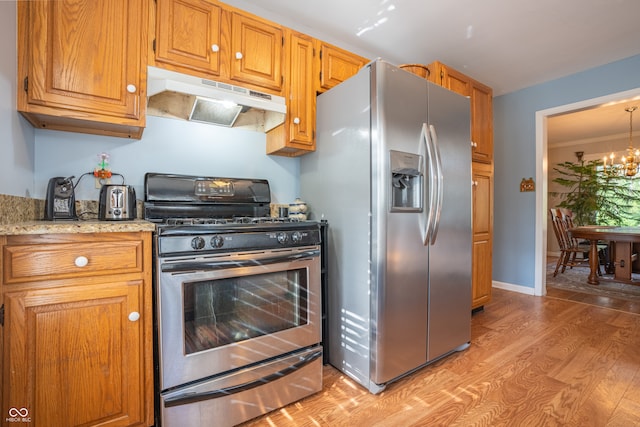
column 392, row 176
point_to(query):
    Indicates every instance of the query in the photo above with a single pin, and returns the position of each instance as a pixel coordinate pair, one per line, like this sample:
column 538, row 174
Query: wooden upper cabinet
column 301, row 97
column 297, row 135
column 481, row 97
column 212, row 40
column 451, row 79
column 336, row 65
column 257, row 49
column 482, row 122
column 82, row 65
column 188, row 35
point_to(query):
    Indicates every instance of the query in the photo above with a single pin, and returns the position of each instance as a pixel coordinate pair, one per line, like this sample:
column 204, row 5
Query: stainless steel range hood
column 185, row 97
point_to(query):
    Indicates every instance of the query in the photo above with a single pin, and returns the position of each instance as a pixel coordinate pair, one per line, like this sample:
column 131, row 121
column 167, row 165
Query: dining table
column 623, row 238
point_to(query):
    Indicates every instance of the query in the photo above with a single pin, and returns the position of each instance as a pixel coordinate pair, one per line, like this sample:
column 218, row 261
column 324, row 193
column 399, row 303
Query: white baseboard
column 514, row 288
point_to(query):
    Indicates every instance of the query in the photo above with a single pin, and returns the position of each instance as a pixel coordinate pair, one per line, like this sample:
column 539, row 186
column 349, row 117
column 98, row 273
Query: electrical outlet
column 102, row 181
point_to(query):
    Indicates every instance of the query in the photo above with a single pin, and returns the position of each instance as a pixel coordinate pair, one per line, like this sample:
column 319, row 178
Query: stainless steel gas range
column 237, row 297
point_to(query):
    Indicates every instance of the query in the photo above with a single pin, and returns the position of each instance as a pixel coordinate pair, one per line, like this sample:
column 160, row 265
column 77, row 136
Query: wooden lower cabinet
column 482, row 223
column 77, row 345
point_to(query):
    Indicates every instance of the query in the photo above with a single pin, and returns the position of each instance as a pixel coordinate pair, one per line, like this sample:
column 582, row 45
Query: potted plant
column 596, row 195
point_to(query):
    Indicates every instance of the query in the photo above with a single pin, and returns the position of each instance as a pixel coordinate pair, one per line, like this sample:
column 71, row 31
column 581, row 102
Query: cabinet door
column 301, row 96
column 481, row 97
column 297, row 135
column 337, row 65
column 256, row 52
column 73, row 355
column 482, row 208
column 455, row 81
column 188, row 35
column 482, row 122
column 85, row 56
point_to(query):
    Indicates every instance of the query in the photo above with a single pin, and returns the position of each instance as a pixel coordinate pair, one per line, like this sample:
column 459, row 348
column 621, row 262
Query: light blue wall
column 16, row 134
column 170, row 146
column 514, row 144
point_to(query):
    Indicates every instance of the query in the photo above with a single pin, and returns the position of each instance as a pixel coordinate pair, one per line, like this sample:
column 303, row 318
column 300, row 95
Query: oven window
column 224, row 311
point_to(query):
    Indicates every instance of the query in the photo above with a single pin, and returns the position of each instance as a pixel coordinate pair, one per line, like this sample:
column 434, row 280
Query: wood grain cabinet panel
column 82, row 65
column 54, row 261
column 77, row 348
column 297, row 135
column 336, row 65
column 481, row 97
column 257, row 49
column 482, row 122
column 451, row 79
column 188, row 35
column 482, row 224
column 216, row 41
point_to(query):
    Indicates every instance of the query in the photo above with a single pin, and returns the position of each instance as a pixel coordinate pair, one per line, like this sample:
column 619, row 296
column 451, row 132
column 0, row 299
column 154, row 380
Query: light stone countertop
column 88, row 226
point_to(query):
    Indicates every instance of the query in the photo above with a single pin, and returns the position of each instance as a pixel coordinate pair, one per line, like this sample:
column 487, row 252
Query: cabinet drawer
column 56, row 261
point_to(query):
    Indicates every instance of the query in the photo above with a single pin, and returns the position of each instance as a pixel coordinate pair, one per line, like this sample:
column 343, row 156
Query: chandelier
column 630, row 162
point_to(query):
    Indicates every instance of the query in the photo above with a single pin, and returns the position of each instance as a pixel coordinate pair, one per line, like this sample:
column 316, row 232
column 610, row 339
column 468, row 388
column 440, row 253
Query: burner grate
column 195, row 221
column 235, row 220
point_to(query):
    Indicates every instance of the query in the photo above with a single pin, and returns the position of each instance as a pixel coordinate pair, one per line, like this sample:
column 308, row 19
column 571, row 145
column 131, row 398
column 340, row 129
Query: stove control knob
column 197, row 243
column 296, row 237
column 283, row 237
column 217, row 241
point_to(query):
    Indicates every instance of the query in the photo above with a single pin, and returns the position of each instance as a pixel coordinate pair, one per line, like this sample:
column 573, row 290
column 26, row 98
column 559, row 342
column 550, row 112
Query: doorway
column 542, row 169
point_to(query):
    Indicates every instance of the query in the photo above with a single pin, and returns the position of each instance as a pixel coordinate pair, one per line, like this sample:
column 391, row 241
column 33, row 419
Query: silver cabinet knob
column 81, row 261
column 215, row 48
column 131, row 88
column 238, row 55
column 296, row 120
column 134, row 316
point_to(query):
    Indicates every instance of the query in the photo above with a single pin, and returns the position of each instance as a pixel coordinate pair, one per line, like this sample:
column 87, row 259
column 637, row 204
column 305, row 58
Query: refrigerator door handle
column 439, row 180
column 429, row 169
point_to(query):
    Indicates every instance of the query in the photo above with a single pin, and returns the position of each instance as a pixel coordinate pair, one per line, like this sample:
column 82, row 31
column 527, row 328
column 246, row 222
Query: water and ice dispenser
column 406, row 182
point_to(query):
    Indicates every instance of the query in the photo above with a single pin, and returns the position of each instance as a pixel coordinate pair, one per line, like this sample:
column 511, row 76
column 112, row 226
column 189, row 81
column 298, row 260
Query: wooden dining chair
column 603, row 246
column 573, row 253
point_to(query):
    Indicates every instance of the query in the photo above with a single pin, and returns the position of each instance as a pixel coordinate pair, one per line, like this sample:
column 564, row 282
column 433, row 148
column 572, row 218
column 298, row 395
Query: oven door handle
column 219, row 265
column 214, row 394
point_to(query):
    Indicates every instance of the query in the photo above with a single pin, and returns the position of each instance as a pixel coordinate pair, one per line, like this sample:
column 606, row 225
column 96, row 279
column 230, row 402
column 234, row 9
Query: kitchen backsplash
column 19, row 209
column 14, row 209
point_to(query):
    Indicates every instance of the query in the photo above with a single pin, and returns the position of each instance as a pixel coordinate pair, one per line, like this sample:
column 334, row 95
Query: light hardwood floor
column 533, row 361
column 615, row 302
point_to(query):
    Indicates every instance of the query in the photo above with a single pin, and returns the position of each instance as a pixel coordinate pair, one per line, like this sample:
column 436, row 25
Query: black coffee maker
column 61, row 199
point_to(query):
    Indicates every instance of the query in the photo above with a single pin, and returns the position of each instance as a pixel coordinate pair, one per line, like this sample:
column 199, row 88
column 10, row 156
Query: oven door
column 222, row 312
